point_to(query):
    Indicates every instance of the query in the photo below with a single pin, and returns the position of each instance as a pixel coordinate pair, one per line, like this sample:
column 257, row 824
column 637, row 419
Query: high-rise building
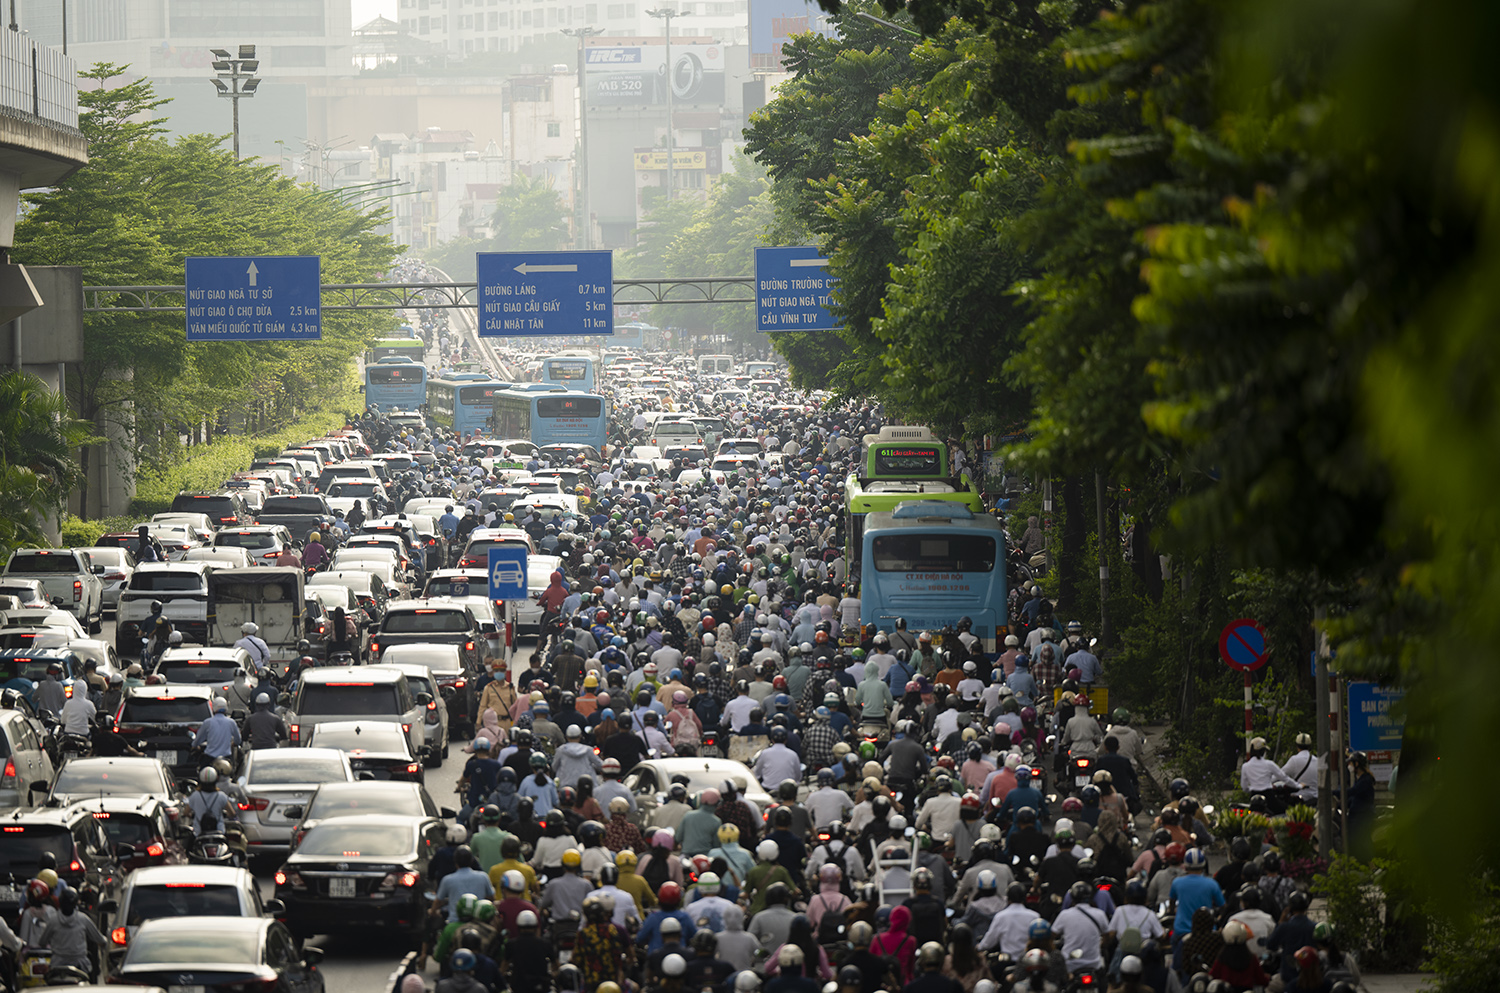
column 467, row 27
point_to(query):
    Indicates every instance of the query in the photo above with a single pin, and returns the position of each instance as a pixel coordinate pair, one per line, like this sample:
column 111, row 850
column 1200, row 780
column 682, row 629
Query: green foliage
column 529, row 214
column 38, row 435
column 1366, row 905
column 79, row 533
column 131, row 217
column 1461, row 953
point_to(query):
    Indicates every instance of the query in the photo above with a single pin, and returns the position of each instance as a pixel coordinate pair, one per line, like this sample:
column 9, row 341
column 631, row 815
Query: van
column 269, row 596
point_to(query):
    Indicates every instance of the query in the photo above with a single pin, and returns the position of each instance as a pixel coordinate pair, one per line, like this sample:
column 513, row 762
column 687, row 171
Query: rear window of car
column 147, row 903
column 167, row 582
column 353, row 488
column 196, row 671
column 241, row 539
column 25, row 844
column 351, row 699
column 109, row 779
column 182, row 944
column 58, row 562
column 295, row 768
column 353, row 840
column 127, row 829
column 425, row 621
column 365, row 800
column 370, row 739
column 164, row 710
column 212, row 504
column 294, row 505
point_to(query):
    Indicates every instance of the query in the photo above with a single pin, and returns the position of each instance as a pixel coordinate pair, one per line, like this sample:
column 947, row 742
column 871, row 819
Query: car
column 649, row 780
column 381, row 562
column 27, row 762
column 435, row 727
column 32, row 663
column 453, row 671
column 39, row 620
column 162, row 720
column 273, row 783
column 100, row 651
column 68, row 575
column 230, row 672
column 371, row 590
column 331, row 598
column 31, row 592
column 171, row 891
column 174, row 538
column 85, row 860
column 476, row 554
column 360, row 872
column 124, row 776
column 144, row 824
column 219, row 955
column 339, row 694
column 220, row 557
column 202, row 525
column 118, row 564
column 182, row 589
column 332, row 801
column 437, row 621
column 262, row 541
column 568, row 453
column 748, row 464
column 474, row 592
column 539, row 570
column 222, row 509
column 379, row 750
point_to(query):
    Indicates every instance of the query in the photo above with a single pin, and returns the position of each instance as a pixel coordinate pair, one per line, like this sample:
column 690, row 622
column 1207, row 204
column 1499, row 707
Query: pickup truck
column 70, row 577
column 302, row 514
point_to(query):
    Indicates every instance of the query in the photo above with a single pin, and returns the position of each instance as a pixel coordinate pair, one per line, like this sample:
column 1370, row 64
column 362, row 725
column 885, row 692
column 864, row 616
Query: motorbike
column 75, row 746
column 32, row 966
column 1081, row 770
column 218, row 848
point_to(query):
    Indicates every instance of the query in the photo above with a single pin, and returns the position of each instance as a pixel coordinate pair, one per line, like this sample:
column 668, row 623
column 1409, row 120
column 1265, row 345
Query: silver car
column 435, row 733
column 275, row 787
column 118, row 564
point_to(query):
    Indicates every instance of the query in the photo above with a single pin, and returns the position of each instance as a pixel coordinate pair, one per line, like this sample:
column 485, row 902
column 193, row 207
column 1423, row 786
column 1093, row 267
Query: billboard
column 637, row 73
column 772, row 22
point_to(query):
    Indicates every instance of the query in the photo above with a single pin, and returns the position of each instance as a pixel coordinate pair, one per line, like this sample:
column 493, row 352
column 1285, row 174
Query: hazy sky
column 366, row 10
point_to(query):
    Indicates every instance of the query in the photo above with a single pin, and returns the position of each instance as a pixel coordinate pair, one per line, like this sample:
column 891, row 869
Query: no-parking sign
column 1242, row 644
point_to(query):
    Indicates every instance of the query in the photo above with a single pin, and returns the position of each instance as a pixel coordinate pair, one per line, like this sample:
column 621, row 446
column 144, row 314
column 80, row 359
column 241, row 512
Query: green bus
column 902, row 462
column 407, row 348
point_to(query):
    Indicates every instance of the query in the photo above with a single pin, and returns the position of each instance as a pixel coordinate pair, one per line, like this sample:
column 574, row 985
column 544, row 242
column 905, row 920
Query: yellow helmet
column 315, row 537
column 571, row 858
column 607, row 988
column 726, row 589
column 638, row 564
column 48, row 876
column 591, row 681
column 728, row 833
column 626, row 859
column 509, row 517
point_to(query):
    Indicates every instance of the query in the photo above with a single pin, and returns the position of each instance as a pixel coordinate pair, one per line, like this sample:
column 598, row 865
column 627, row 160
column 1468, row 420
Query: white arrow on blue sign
column 274, row 297
column 792, row 290
column 508, row 573
column 525, row 294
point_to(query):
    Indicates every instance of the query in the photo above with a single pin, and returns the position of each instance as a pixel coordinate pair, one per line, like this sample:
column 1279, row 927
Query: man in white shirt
column 1259, row 773
column 1010, row 929
column 1303, row 767
column 777, row 763
column 826, row 804
column 260, row 652
column 1082, row 928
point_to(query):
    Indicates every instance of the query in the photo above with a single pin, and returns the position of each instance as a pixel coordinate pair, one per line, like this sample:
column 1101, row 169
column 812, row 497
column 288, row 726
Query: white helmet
column 208, row 775
column 249, row 627
column 457, row 834
column 768, row 851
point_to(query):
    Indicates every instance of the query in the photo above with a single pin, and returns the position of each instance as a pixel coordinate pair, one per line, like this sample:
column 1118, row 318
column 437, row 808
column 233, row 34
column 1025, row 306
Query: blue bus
column 395, row 383
column 551, row 417
column 932, row 562
column 570, row 370
column 462, row 404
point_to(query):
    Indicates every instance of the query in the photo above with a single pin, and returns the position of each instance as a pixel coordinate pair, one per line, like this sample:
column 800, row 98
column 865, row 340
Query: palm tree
column 38, row 469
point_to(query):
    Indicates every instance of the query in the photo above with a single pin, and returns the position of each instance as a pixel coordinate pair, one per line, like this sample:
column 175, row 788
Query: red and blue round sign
column 1242, row 644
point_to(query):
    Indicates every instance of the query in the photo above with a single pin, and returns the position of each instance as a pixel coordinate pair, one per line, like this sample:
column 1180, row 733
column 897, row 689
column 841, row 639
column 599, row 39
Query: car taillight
column 77, row 590
column 375, row 647
column 113, row 576
column 413, row 768
column 431, row 705
column 119, row 935
column 9, row 777
column 254, row 803
column 468, row 647
column 75, row 866
column 295, row 733
column 229, row 520
column 156, row 849
column 460, row 683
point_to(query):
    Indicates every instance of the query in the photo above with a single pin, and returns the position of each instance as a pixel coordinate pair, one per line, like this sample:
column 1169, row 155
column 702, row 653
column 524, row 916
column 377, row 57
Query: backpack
column 686, row 733
column 832, row 925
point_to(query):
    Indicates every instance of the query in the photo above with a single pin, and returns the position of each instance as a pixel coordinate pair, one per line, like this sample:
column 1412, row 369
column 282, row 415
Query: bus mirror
column 361, row 387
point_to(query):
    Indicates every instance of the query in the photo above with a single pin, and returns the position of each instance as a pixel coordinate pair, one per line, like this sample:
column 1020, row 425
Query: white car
column 201, row 524
column 539, row 570
column 220, row 557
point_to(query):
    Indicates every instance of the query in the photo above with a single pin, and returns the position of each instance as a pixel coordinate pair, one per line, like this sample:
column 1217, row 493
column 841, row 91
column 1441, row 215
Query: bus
column 462, row 405
column 395, row 384
column 552, row 417
column 900, row 463
column 411, row 349
column 932, row 562
column 570, row 370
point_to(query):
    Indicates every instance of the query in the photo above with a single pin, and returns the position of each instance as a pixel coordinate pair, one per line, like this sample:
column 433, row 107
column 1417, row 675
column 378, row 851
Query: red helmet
column 37, row 893
column 701, row 864
column 709, row 622
column 1175, row 853
column 670, row 894
column 946, row 762
column 821, row 637
column 1072, row 805
column 970, row 802
column 779, row 684
column 601, row 616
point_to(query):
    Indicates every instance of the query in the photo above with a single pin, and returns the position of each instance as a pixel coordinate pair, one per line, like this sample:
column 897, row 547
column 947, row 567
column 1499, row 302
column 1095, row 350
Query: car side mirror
column 311, row 955
column 274, row 907
column 109, row 906
column 98, row 570
column 447, row 813
column 424, row 698
column 366, row 776
column 424, row 751
column 40, row 786
column 125, row 851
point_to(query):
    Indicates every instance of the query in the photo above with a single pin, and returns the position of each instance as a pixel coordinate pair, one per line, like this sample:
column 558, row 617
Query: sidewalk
column 1403, row 982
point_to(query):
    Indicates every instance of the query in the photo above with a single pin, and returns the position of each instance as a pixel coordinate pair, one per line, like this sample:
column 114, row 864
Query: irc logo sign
column 614, row 56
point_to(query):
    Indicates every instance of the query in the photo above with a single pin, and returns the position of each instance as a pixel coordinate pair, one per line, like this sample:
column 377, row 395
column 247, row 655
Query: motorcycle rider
column 218, row 736
column 208, row 806
column 264, row 727
column 51, row 696
column 250, row 641
column 1259, row 774
column 1303, row 767
column 77, row 712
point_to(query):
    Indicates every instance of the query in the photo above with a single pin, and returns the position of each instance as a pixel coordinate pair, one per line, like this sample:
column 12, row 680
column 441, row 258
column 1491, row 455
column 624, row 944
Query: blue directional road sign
column 1373, row 724
column 508, row 573
column 269, row 297
column 530, row 294
column 791, row 290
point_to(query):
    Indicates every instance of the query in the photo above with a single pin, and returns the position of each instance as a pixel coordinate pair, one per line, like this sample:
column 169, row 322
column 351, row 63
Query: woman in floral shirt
column 601, row 949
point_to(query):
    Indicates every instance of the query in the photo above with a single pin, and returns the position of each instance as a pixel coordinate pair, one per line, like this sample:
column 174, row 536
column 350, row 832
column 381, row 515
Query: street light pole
column 585, row 224
column 666, row 14
column 242, row 82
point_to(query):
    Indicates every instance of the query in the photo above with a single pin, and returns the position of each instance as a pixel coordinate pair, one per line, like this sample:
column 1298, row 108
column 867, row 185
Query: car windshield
column 432, row 656
column 369, row 737
column 164, row 710
column 127, row 829
column 353, row 488
column 147, row 903
column 197, row 671
column 181, row 944
column 295, row 505
column 350, row 699
column 356, row 840
column 266, row 768
column 425, row 621
column 23, row 668
column 110, row 779
column 43, row 562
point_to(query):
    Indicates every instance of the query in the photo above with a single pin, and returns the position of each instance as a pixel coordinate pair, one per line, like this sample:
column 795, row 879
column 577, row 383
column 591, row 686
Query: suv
column 263, row 541
column 437, row 621
column 339, row 694
column 182, row 588
column 229, row 672
column 184, row 891
column 224, row 509
column 162, row 721
column 70, row 577
column 75, row 838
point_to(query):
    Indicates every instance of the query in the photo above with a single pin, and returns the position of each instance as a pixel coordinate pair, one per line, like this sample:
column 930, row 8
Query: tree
column 38, row 435
column 529, row 215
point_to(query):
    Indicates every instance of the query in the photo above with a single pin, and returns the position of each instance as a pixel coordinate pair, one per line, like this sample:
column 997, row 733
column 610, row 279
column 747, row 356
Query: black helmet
column 609, row 874
column 1299, row 901
column 1179, row 788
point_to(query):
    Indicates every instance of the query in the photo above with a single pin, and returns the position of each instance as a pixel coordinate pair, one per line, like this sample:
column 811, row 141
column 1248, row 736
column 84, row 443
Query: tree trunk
column 1076, row 517
column 1145, row 562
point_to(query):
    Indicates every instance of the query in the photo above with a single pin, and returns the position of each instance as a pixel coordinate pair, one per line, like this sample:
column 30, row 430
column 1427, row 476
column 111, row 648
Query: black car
column 354, row 873
column 219, row 954
column 377, row 749
column 85, row 859
column 162, row 720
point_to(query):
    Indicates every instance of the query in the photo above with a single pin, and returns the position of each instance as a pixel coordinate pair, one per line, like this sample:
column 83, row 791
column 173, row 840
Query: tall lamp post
column 585, row 225
column 666, row 14
column 242, row 82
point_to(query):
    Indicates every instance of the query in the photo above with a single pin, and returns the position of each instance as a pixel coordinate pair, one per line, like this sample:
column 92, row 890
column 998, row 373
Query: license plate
column 341, row 887
column 1080, row 781
column 170, row 758
column 184, row 989
column 9, row 894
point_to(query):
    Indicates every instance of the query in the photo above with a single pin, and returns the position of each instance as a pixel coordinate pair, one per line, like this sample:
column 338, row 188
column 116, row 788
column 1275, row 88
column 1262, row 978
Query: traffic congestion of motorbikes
column 705, row 773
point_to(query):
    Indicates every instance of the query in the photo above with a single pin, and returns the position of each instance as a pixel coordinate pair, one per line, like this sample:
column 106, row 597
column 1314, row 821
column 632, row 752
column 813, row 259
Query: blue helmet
column 823, row 714
column 1023, row 774
column 825, row 776
column 1039, row 930
column 463, row 960
column 675, row 674
column 607, row 714
column 783, row 701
